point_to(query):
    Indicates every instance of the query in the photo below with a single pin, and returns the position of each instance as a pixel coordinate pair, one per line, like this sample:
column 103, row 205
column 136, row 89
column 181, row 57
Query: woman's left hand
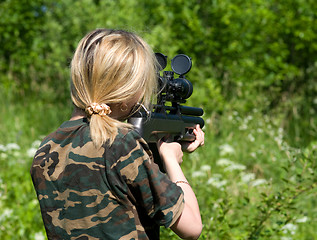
column 199, row 141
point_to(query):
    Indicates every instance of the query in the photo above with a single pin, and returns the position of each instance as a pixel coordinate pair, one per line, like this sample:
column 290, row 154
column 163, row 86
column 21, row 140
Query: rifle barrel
column 192, row 111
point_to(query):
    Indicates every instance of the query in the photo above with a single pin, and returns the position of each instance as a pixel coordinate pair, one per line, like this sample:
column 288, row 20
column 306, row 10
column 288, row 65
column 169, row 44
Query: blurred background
column 254, row 73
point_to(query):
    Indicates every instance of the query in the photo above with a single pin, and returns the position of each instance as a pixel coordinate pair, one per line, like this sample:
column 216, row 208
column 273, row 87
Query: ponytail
column 102, row 129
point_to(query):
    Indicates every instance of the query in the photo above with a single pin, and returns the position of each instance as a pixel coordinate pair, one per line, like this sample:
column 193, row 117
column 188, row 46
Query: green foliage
column 19, row 214
column 254, row 74
column 250, row 183
column 245, row 54
column 23, row 125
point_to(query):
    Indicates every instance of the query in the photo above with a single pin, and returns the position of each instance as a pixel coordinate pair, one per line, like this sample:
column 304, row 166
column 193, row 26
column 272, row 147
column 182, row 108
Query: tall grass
column 23, row 123
column 25, row 119
column 250, row 183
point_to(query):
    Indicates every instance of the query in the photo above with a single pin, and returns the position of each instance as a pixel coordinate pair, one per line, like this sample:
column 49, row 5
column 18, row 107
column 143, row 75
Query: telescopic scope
column 178, row 89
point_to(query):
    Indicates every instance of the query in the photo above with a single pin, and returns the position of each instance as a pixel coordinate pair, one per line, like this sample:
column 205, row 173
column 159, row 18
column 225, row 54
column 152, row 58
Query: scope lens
column 183, row 88
column 162, row 60
column 181, row 64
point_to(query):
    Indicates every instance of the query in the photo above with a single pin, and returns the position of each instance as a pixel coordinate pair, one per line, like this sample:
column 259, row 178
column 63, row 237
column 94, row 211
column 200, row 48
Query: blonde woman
column 94, row 176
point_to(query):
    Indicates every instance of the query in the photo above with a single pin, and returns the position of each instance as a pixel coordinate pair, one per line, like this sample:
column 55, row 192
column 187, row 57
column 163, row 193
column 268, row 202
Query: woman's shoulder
column 127, row 134
column 128, row 138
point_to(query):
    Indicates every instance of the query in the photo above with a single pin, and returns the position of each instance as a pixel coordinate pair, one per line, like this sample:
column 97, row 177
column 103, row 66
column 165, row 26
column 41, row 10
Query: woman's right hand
column 170, row 151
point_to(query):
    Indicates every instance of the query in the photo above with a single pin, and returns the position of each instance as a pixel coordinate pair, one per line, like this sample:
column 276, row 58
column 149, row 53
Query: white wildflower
column 243, row 126
column 260, row 130
column 31, row 152
column 302, row 220
column 197, row 174
column 224, row 162
column 258, row 182
column 249, row 118
column 251, row 138
column 13, row 146
column 247, row 177
column 217, row 182
column 278, row 140
column 7, row 213
column 235, row 166
column 215, row 206
column 39, row 236
column 3, row 148
column 205, row 168
column 253, row 154
column 293, row 179
column 226, row 149
column 217, row 175
column 289, row 228
column 36, row 143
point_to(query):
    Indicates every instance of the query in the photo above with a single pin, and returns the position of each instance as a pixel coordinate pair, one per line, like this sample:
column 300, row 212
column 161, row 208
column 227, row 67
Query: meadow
column 254, row 74
column 250, row 183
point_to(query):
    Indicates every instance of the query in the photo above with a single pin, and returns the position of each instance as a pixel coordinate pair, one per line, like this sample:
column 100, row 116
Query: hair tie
column 96, row 108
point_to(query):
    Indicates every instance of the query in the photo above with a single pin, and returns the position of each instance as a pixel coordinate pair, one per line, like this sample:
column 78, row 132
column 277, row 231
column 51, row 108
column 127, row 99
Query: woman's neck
column 77, row 114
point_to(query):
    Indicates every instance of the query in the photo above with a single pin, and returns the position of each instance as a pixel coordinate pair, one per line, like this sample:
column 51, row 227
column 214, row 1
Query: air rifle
column 169, row 118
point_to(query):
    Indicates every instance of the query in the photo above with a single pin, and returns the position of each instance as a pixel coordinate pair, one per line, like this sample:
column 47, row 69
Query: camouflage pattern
column 114, row 192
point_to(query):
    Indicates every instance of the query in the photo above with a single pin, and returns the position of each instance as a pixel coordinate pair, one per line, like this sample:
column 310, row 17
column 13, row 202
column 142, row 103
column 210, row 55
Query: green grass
column 23, row 124
column 249, row 182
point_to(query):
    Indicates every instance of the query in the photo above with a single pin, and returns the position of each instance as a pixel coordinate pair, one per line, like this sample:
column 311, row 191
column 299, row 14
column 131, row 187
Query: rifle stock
column 176, row 127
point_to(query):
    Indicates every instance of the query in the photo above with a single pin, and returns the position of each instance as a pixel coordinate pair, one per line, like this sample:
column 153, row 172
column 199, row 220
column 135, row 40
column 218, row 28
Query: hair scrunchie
column 96, row 108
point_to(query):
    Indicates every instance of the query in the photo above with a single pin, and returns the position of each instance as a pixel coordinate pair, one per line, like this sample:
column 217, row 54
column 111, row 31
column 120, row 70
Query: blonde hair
column 110, row 67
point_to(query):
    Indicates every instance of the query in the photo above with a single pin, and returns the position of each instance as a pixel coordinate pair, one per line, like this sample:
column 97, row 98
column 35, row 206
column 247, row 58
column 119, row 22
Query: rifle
column 169, row 117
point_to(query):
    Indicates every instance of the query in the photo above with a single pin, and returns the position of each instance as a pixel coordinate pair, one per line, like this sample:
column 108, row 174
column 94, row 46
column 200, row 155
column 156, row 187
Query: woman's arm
column 188, row 225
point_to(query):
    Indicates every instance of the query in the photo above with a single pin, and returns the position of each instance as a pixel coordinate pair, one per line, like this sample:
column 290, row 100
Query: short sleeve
column 151, row 190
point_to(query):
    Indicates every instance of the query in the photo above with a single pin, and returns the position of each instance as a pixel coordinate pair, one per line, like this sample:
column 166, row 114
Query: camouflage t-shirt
column 114, row 192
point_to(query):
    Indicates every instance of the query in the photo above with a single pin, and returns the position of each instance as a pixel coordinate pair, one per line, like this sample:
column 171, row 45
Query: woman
column 94, row 176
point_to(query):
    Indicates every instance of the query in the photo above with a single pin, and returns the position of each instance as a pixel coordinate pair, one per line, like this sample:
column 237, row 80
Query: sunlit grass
column 250, row 183
column 23, row 125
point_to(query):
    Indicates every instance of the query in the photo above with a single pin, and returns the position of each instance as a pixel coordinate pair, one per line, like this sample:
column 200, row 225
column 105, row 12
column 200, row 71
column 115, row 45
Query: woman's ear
column 123, row 107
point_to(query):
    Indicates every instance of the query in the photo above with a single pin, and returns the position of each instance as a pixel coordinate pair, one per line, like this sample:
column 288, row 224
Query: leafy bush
column 254, row 74
column 246, row 54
